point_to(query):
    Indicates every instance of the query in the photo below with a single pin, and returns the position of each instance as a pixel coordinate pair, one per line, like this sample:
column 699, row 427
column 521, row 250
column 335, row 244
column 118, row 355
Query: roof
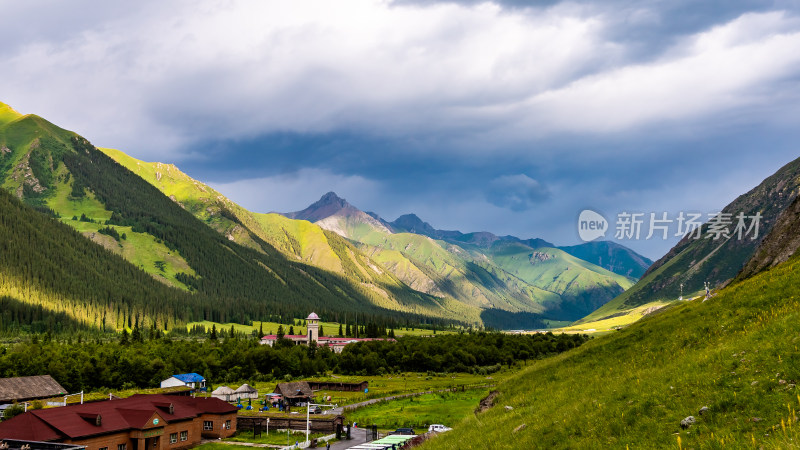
column 246, row 388
column 26, row 388
column 272, row 337
column 189, row 377
column 312, row 316
column 135, row 412
column 296, row 389
column 223, row 390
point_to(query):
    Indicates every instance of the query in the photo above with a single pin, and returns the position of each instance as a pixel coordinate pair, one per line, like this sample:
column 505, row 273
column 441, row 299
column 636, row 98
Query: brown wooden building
column 295, row 392
column 140, row 422
column 337, row 386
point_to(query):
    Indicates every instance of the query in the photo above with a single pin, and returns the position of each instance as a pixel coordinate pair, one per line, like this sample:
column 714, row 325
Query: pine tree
column 291, row 330
column 340, row 331
column 213, row 336
column 123, row 339
column 321, row 331
column 260, row 330
column 280, row 332
column 136, row 335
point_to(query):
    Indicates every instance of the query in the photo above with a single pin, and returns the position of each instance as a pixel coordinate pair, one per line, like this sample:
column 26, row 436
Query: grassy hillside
column 455, row 273
column 582, row 287
column 736, row 354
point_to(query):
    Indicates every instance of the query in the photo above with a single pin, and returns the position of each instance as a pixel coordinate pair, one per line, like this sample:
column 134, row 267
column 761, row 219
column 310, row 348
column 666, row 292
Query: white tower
column 312, row 322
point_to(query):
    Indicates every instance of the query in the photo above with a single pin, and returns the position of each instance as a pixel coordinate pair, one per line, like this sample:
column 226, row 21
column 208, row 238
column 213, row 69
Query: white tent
column 224, row 393
column 247, row 391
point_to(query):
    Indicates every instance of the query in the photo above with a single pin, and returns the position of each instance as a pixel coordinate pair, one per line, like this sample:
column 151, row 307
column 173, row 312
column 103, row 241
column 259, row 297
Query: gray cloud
column 516, row 192
column 422, row 106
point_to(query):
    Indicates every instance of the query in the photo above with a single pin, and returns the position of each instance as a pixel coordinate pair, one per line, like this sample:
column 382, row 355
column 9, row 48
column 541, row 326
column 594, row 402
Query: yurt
column 224, row 393
column 246, row 391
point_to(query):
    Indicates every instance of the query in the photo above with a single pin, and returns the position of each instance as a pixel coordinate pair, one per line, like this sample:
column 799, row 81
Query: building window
column 173, row 438
column 122, row 447
column 184, row 436
column 227, row 424
column 103, row 448
column 207, row 426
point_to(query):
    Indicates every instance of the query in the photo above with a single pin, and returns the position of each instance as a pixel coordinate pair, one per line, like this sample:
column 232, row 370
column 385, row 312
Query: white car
column 438, row 428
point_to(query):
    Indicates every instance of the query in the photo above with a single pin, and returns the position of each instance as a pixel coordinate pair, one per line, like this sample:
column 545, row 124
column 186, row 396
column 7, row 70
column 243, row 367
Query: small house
column 294, row 393
column 190, row 380
column 224, row 393
column 246, row 391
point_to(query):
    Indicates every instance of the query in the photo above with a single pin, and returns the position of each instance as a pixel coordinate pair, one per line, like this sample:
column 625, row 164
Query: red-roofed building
column 140, row 422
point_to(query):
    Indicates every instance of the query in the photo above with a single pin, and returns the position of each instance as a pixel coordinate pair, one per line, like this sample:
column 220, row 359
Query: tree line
column 145, row 358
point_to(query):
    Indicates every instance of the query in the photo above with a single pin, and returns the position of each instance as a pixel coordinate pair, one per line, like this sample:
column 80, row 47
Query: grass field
column 445, row 408
column 223, row 446
column 384, row 386
column 736, row 354
column 274, row 437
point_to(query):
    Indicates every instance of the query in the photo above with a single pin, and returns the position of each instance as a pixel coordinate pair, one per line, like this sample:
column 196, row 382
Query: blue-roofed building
column 190, row 380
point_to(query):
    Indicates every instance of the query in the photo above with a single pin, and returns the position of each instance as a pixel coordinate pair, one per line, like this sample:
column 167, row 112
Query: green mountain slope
column 692, row 262
column 49, row 167
column 611, row 256
column 498, row 275
column 53, row 279
column 735, row 354
column 295, row 239
column 582, row 287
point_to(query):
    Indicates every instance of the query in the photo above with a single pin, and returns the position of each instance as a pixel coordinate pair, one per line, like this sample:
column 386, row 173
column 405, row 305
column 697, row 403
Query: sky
column 510, row 116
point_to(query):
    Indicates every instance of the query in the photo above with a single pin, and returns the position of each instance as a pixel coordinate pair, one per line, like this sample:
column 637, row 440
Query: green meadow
column 736, row 354
column 418, row 412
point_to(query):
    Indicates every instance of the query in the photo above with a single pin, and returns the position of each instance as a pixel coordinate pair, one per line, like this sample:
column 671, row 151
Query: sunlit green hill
column 234, row 273
column 735, row 354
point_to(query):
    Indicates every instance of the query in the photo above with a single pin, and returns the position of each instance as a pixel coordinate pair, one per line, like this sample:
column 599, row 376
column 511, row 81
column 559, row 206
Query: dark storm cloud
column 516, row 192
column 428, row 107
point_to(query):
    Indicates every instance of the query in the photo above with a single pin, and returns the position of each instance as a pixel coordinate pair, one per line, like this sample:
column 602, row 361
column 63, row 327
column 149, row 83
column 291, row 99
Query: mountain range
column 224, row 263
column 506, row 273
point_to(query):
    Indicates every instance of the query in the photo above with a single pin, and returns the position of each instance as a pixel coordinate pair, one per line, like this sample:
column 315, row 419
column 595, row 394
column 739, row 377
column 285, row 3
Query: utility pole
column 308, row 417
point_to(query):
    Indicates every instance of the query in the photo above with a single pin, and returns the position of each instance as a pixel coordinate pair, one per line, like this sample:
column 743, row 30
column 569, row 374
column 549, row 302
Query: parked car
column 439, row 428
column 315, row 410
column 406, row 431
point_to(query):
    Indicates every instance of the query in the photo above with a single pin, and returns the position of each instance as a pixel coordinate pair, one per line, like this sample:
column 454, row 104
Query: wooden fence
column 317, row 424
